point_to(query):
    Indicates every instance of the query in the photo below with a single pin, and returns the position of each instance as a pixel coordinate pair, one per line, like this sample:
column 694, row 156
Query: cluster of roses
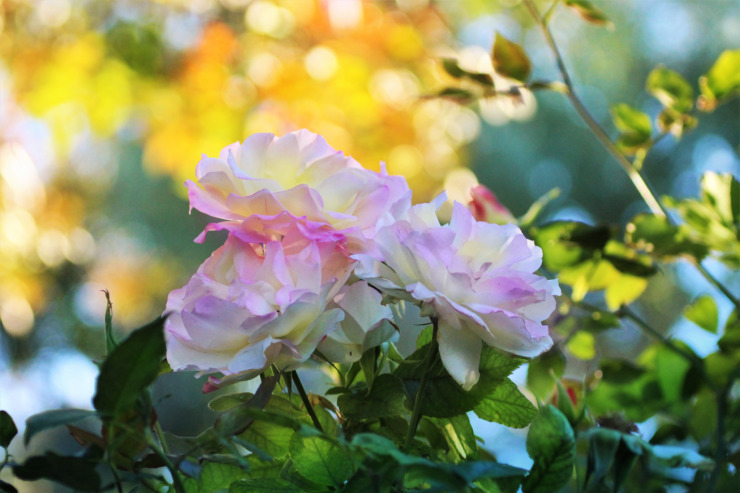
column 318, row 247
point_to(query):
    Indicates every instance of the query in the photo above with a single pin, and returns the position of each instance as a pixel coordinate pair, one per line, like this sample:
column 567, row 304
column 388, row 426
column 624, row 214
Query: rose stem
column 428, row 362
column 306, row 402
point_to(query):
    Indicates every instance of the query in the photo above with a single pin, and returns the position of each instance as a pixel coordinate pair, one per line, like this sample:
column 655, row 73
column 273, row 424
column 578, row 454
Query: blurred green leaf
column 460, row 96
column 8, row 430
column 321, row 460
column 543, row 370
column 552, row 445
column 588, row 12
column 264, row 485
column 634, row 126
column 507, row 406
column 510, row 60
column 459, row 434
column 730, row 340
column 661, row 239
column 631, row 120
column 110, row 339
column 703, row 312
column 671, row 89
column 130, row 369
column 73, row 472
column 721, row 82
column 451, row 66
column 214, row 477
column 384, row 399
column 671, row 369
column 627, row 387
column 582, row 345
column 444, row 397
column 51, row 419
column 7, row 488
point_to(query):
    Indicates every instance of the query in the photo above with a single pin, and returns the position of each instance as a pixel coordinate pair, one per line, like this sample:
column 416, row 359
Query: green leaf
column 459, row 435
column 507, row 406
column 582, row 345
column 384, row 399
column 671, row 369
column 722, row 81
column 552, row 445
column 451, row 66
column 662, row 240
column 510, row 60
column 542, row 369
column 264, row 485
column 632, row 121
column 321, row 460
column 730, row 340
column 589, row 12
column 130, row 369
column 7, row 488
column 444, row 397
column 73, row 472
column 671, row 89
column 50, row 419
column 237, row 419
column 703, row 312
column 8, row 430
column 602, row 447
column 367, row 363
column 214, row 477
column 110, row 339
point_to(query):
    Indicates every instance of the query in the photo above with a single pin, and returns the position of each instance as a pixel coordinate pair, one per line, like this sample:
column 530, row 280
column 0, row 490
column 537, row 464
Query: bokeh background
column 106, row 107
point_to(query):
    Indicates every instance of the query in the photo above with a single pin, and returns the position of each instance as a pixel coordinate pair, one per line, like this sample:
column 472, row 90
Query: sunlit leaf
column 721, row 82
column 703, row 312
column 588, row 12
column 507, row 406
column 510, row 60
column 631, row 121
column 321, row 460
column 671, row 89
column 582, row 345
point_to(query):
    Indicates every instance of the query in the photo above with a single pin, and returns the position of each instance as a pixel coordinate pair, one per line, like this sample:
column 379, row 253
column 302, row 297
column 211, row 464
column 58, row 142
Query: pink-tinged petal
column 460, row 352
column 486, row 207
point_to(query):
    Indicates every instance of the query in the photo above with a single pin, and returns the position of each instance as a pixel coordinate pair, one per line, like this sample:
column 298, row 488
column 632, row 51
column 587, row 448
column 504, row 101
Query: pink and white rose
column 251, row 305
column 302, row 175
column 366, row 324
column 477, row 278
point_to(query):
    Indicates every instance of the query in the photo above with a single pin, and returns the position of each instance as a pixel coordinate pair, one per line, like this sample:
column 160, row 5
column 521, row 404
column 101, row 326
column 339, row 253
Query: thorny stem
column 419, row 398
column 638, row 181
column 306, row 402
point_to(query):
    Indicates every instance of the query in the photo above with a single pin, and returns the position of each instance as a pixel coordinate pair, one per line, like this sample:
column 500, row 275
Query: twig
column 637, row 180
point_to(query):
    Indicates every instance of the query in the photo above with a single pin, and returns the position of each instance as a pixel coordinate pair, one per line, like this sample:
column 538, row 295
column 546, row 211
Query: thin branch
column 637, row 180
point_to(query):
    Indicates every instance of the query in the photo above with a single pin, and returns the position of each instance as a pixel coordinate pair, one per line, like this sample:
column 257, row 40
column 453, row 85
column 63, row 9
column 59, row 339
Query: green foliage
column 587, row 11
column 384, row 399
column 51, row 419
column 8, row 430
column 214, row 477
column 714, row 220
column 74, row 472
column 506, row 405
column 322, row 460
column 510, row 60
column 129, row 370
column 671, row 89
column 703, row 312
column 552, row 445
column 721, row 82
column 634, row 127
